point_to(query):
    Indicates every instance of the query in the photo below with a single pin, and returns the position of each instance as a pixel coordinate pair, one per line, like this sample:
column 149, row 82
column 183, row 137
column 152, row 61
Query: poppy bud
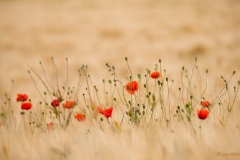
column 55, row 103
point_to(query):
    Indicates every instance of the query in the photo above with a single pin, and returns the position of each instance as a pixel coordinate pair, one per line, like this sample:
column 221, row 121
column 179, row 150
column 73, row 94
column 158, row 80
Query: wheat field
column 93, row 33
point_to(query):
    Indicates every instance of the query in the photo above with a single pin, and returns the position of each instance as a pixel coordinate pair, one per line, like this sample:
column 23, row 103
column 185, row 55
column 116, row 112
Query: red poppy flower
column 205, row 103
column 21, row 97
column 26, row 105
column 68, row 104
column 80, row 117
column 203, row 114
column 155, row 75
column 50, row 126
column 132, row 87
column 55, row 103
column 106, row 112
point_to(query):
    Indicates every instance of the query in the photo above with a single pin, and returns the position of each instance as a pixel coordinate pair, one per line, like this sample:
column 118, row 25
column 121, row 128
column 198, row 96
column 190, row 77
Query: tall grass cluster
column 147, row 115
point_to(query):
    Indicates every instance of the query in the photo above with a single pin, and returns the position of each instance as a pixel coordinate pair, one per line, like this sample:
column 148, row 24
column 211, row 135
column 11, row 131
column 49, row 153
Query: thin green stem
column 189, row 82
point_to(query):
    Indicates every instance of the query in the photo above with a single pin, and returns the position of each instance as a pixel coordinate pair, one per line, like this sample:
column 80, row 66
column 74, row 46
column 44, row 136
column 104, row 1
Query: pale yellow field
column 94, row 32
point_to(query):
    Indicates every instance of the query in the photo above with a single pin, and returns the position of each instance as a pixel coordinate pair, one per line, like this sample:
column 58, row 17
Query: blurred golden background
column 94, row 32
